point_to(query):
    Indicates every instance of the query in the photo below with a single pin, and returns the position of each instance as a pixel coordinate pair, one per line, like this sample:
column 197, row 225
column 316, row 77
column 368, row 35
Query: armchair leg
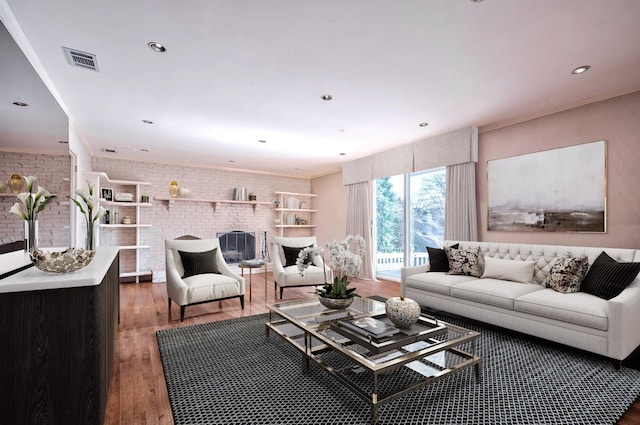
column 242, row 301
column 182, row 308
column 281, row 291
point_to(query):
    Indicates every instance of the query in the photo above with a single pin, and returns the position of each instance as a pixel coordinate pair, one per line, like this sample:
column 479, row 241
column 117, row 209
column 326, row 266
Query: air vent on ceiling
column 82, row 59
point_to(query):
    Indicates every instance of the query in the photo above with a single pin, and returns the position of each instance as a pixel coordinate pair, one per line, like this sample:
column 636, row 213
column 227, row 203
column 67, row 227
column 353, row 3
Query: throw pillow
column 463, row 262
column 513, row 270
column 607, row 278
column 199, row 262
column 438, row 261
column 291, row 255
column 566, row 274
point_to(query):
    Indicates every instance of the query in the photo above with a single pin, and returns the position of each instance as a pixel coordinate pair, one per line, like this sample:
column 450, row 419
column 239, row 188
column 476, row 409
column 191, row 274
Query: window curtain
column 461, row 222
column 359, row 221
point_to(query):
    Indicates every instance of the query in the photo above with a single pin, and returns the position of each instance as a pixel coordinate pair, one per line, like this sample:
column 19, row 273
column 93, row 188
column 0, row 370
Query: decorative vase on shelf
column 174, row 189
column 336, row 303
column 15, row 184
column 403, row 312
column 30, row 235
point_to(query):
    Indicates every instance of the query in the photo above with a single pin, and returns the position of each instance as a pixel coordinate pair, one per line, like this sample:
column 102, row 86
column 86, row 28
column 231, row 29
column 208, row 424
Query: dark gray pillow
column 438, row 260
column 607, row 278
column 291, row 255
column 199, row 262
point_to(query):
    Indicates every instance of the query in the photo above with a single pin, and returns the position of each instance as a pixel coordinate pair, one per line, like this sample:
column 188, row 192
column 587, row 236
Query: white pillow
column 514, row 270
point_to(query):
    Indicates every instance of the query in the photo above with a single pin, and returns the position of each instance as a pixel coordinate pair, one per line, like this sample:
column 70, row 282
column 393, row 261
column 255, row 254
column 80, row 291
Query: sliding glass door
column 409, row 217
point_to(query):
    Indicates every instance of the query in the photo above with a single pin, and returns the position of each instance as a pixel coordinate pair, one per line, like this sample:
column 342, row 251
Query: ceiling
column 238, row 72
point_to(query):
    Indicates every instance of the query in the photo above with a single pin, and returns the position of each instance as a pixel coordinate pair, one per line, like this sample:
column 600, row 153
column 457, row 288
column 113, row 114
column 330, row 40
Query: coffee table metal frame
column 306, row 325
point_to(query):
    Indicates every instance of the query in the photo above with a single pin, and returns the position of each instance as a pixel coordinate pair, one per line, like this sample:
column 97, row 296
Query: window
column 409, row 217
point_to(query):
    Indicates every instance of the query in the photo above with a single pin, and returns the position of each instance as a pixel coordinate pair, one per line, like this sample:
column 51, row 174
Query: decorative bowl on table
column 336, row 303
column 65, row 261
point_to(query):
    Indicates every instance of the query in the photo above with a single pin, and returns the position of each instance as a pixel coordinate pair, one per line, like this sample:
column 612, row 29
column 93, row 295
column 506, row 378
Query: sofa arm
column 405, row 272
column 624, row 316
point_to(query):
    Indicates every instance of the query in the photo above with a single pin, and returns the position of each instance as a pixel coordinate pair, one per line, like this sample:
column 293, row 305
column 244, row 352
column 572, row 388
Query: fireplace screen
column 237, row 246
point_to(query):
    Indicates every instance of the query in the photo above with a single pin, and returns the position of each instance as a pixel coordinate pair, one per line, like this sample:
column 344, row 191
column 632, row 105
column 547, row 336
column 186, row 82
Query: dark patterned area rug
column 227, row 372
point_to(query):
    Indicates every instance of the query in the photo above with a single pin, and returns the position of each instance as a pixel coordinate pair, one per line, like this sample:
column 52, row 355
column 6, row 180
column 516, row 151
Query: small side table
column 251, row 266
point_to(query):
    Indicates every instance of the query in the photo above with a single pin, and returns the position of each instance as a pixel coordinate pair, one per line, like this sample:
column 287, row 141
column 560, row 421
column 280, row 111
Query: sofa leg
column 182, row 308
column 242, row 301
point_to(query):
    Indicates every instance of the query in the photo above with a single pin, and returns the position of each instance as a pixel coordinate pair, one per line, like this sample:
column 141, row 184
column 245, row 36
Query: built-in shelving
column 290, row 203
column 133, row 209
column 213, row 202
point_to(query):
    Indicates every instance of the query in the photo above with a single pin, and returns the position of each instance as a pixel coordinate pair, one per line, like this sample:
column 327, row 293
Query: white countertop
column 34, row 279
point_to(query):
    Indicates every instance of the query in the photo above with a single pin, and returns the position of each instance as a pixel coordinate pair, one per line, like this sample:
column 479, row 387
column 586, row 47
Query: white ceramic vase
column 403, row 312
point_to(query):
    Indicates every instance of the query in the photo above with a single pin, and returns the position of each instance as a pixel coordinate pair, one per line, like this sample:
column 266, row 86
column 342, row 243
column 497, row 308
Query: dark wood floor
column 138, row 392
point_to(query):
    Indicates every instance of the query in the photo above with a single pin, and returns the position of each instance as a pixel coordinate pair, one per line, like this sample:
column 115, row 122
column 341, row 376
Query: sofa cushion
column 513, row 270
column 567, row 273
column 437, row 282
column 195, row 263
column 578, row 308
column 438, row 260
column 607, row 278
column 291, row 255
column 499, row 293
column 210, row 286
column 463, row 262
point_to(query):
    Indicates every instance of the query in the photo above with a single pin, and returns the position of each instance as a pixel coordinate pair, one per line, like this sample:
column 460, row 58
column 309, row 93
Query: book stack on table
column 370, row 326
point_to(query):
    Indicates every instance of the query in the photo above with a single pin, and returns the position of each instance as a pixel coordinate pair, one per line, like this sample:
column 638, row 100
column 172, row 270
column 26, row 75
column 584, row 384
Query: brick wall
column 194, row 218
column 52, row 172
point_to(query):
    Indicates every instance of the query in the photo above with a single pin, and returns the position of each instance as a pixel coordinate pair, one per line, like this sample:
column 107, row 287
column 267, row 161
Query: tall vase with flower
column 32, row 205
column 346, row 265
column 91, row 212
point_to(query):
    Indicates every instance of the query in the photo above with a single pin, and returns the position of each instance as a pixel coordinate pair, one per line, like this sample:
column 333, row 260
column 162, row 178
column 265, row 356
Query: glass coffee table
column 376, row 370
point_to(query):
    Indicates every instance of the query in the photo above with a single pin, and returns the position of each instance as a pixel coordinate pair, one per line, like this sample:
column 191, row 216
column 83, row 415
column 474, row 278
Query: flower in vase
column 32, row 203
column 345, row 263
column 87, row 205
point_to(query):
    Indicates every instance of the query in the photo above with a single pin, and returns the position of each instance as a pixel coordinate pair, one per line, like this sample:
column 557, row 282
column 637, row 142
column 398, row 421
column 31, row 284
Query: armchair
column 285, row 271
column 197, row 275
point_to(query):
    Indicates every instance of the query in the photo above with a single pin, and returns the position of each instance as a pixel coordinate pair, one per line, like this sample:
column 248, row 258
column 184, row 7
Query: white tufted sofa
column 607, row 327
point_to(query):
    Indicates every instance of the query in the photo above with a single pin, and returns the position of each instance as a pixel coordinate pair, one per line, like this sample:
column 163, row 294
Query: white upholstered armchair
column 196, row 274
column 285, row 271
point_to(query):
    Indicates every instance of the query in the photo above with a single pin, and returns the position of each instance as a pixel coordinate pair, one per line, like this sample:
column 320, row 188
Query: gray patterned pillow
column 567, row 273
column 463, row 262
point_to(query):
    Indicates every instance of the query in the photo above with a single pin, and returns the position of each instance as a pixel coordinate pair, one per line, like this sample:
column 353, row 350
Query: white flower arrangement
column 32, row 204
column 345, row 263
column 90, row 201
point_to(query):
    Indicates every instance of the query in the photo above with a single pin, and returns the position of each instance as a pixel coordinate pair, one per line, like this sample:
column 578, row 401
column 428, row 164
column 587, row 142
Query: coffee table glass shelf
column 376, row 370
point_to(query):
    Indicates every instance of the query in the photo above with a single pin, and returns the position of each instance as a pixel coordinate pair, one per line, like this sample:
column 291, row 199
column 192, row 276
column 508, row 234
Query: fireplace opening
column 237, row 246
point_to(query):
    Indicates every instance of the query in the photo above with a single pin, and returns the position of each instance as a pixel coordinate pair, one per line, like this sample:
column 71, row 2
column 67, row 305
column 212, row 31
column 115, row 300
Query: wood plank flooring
column 138, row 393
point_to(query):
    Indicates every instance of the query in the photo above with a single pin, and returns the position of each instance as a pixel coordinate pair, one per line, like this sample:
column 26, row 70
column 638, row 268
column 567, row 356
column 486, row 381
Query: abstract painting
column 559, row 190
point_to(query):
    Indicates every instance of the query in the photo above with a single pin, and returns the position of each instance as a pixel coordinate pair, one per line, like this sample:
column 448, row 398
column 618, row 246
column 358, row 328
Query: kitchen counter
column 33, row 279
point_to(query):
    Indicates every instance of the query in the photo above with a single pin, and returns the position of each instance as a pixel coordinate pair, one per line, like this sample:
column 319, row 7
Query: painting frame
column 107, row 194
column 555, row 190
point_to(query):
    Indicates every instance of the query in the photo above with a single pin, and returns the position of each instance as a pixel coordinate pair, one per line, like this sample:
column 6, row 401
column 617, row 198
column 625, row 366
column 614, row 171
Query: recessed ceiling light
column 423, row 124
column 262, row 141
column 156, row 47
column 326, row 97
column 476, row 1
column 342, row 153
column 144, row 150
column 231, row 160
column 581, row 69
column 108, row 150
column 297, row 169
column 20, row 104
column 147, row 121
column 63, row 142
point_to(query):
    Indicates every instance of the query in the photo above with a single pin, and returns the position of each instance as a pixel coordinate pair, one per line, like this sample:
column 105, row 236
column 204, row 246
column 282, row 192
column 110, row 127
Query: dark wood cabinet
column 56, row 352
